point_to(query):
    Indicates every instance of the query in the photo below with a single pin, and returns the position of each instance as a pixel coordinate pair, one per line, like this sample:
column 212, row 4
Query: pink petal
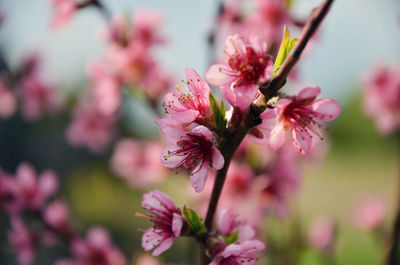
column 186, row 116
column 218, row 159
column 302, row 140
column 328, row 108
column 26, row 176
column 177, row 223
column 165, row 244
column 203, row 131
column 308, row 93
column 234, row 44
column 197, row 85
column 199, row 177
column 171, row 100
column 151, row 238
column 277, row 138
column 171, row 129
column 98, row 237
column 246, row 232
column 220, row 75
column 157, row 200
column 259, row 44
column 48, row 183
column 281, row 105
column 246, row 247
column 229, row 95
column 171, row 161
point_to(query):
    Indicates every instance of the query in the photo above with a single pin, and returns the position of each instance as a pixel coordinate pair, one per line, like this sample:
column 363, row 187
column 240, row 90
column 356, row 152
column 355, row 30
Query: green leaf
column 286, row 46
column 194, row 221
column 218, row 112
column 232, row 238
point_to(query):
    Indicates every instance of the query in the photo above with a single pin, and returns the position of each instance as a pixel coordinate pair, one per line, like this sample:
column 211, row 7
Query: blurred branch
column 393, row 255
column 99, row 5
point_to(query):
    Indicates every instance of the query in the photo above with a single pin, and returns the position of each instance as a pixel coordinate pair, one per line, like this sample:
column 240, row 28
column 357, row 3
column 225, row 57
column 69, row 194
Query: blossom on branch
column 239, row 253
column 167, row 220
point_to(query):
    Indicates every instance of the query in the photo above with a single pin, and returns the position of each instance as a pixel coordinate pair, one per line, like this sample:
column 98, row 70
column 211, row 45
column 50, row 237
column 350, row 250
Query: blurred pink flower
column 57, row 216
column 247, row 65
column 33, row 189
column 90, row 128
column 301, row 114
column 194, row 152
column 228, row 223
column 167, row 220
column 239, row 253
column 138, row 162
column 146, row 26
column 63, row 12
column 8, row 102
column 321, row 235
column 96, row 249
column 23, row 241
column 382, row 97
column 10, row 199
column 369, row 214
column 186, row 108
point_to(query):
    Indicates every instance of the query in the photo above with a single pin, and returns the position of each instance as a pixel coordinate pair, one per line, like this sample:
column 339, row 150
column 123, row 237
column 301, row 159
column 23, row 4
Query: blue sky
column 354, row 34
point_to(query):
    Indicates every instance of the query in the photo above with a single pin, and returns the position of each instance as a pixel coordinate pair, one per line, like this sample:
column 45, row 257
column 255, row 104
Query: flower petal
column 169, row 160
column 302, row 140
column 150, row 239
column 308, row 93
column 170, row 129
column 177, row 223
column 165, row 244
column 328, row 109
column 203, row 131
column 199, row 177
column 277, row 138
column 220, row 75
column 218, row 159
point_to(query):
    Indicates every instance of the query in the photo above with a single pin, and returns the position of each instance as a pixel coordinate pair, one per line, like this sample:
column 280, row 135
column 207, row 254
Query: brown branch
column 269, row 89
column 99, row 5
column 393, row 255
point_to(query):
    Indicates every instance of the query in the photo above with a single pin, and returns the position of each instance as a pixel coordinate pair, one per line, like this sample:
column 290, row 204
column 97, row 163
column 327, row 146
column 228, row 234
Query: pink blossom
column 370, row 214
column 228, row 224
column 194, row 152
column 382, row 97
column 186, row 108
column 10, row 199
column 8, row 102
column 239, row 253
column 146, row 26
column 63, row 12
column 34, row 190
column 90, row 128
column 37, row 97
column 23, row 241
column 57, row 216
column 96, row 249
column 247, row 65
column 138, row 162
column 105, row 88
column 167, row 220
column 322, row 234
column 302, row 115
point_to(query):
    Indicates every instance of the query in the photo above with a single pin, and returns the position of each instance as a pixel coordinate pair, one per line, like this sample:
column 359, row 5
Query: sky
column 354, row 35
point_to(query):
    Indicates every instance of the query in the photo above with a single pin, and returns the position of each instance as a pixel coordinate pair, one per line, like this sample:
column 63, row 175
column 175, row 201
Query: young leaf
column 286, row 46
column 232, row 238
column 219, row 112
column 194, row 221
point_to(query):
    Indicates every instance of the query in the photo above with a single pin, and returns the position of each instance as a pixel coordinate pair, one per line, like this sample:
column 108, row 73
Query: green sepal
column 194, row 221
column 232, row 238
column 286, row 46
column 218, row 112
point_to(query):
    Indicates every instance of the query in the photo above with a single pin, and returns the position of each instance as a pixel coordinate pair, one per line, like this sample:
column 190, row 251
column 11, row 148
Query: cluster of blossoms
column 382, row 97
column 26, row 196
column 28, row 89
column 128, row 62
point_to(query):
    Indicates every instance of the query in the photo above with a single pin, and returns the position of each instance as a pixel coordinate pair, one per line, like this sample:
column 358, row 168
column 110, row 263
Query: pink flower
column 90, row 128
column 370, row 214
column 63, row 12
column 322, row 234
column 228, row 224
column 239, row 253
column 382, row 97
column 34, row 190
column 167, row 220
column 186, row 108
column 8, row 102
column 302, row 115
column 137, row 162
column 194, row 152
column 23, row 241
column 247, row 65
column 146, row 26
column 96, row 249
column 10, row 199
column 57, row 216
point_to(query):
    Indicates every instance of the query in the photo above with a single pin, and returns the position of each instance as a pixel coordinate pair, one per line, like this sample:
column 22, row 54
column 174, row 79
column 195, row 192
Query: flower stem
column 393, row 255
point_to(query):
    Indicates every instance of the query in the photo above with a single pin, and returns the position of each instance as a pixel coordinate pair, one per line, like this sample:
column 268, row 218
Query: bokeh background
column 359, row 162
